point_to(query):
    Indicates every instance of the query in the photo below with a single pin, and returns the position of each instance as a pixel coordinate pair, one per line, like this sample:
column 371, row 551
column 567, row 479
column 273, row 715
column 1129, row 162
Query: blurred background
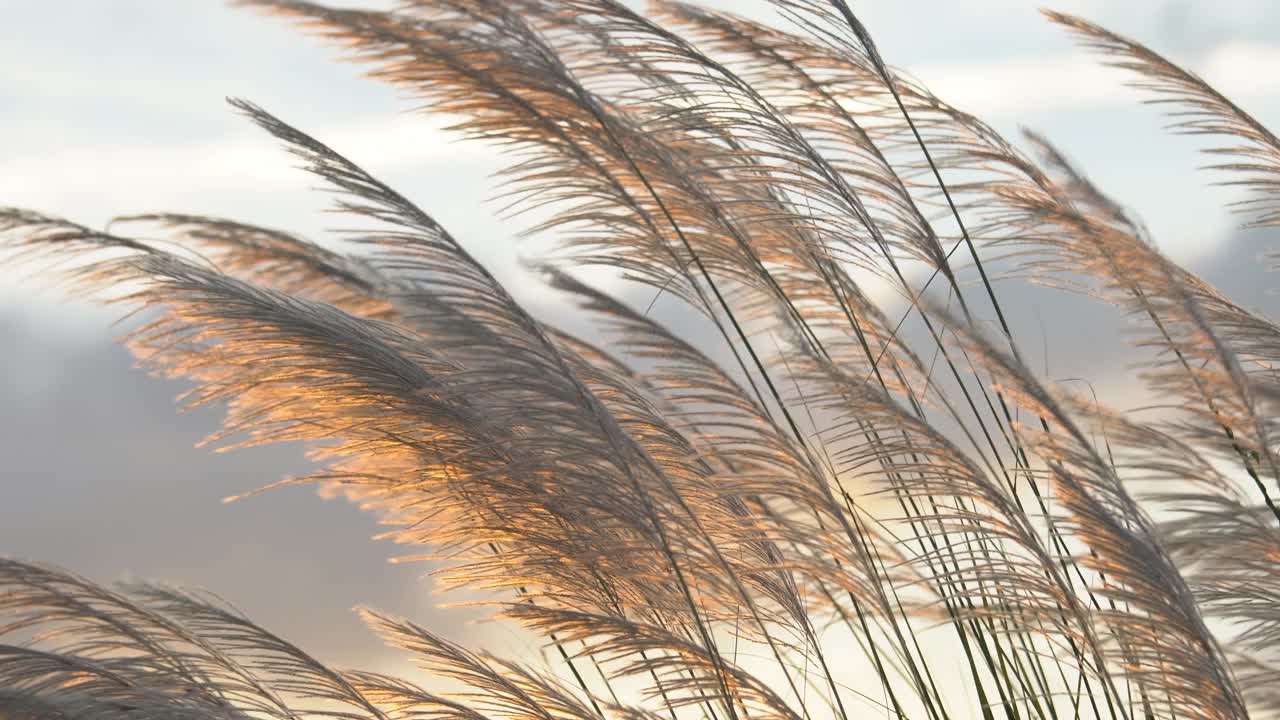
column 110, row 107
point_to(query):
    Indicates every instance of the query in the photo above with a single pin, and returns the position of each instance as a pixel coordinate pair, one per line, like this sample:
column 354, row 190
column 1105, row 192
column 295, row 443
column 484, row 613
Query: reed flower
column 804, row 513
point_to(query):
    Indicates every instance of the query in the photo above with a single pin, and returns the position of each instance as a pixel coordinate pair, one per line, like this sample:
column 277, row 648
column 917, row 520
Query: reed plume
column 804, row 513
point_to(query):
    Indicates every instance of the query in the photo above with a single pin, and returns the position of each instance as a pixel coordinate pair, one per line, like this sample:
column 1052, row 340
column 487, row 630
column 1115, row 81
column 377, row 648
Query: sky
column 112, row 107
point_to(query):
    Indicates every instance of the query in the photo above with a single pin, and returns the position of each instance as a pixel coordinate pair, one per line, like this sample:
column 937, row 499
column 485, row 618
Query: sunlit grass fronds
column 73, row 649
column 1158, row 630
column 812, row 505
column 1197, row 108
column 156, row 653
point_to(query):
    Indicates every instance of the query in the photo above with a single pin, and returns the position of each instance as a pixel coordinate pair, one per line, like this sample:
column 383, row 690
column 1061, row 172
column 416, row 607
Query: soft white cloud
column 246, row 175
column 1243, row 71
column 1019, row 87
column 236, row 162
column 1024, row 85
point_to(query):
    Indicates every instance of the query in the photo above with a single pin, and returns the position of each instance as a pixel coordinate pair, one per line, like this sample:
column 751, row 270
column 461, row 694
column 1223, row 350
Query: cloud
column 231, row 163
column 1242, row 70
column 1022, row 85
column 1018, row 87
